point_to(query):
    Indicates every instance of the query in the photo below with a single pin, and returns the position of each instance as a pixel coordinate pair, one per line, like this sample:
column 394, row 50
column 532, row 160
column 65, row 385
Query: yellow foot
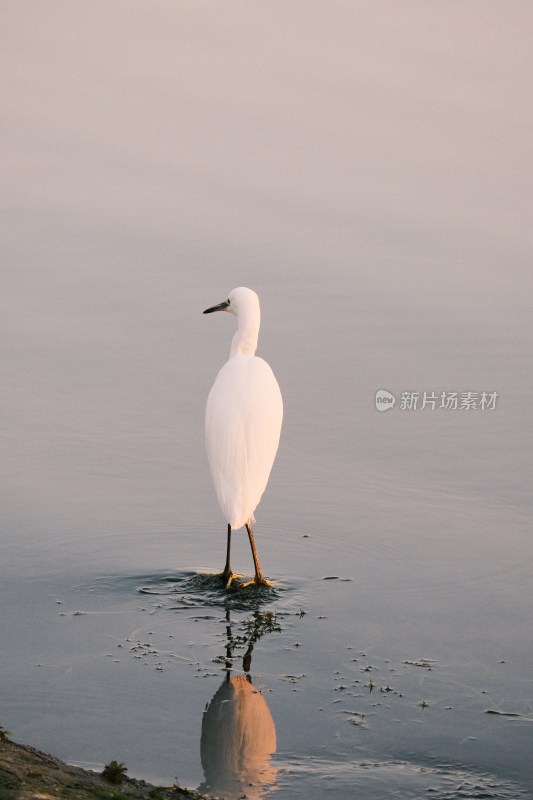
column 258, row 581
column 229, row 577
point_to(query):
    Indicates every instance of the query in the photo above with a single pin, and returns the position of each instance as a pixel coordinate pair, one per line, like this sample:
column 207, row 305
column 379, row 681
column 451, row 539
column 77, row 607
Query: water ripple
column 196, row 590
column 314, row 778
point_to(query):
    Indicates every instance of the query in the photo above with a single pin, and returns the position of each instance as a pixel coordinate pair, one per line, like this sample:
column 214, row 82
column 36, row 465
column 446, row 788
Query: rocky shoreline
column 28, row 774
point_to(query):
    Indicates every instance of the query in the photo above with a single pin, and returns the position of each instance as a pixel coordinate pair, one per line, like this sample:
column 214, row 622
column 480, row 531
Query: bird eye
column 228, row 301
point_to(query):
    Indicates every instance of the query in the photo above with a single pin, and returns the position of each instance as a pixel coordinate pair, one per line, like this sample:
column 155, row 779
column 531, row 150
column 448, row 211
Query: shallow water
column 360, row 695
column 348, row 176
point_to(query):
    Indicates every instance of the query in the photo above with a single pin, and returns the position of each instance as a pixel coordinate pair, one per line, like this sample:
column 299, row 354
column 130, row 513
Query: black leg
column 228, row 575
column 227, row 568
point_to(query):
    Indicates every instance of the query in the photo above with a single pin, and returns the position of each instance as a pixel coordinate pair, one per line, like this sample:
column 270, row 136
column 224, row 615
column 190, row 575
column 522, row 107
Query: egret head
column 240, row 301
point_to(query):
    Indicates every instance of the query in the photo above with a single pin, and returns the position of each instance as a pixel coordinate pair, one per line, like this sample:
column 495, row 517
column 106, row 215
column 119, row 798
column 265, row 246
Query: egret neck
column 244, row 342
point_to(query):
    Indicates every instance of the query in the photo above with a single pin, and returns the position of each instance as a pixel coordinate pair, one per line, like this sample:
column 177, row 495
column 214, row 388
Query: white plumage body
column 242, row 428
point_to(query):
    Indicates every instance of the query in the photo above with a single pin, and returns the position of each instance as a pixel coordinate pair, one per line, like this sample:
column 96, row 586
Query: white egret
column 242, row 424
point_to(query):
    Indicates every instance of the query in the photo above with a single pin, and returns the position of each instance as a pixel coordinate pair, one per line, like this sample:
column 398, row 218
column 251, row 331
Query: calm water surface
column 368, row 177
column 399, row 545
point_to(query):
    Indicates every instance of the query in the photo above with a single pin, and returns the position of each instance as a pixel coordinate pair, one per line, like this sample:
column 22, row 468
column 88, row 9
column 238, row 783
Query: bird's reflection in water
column 238, row 732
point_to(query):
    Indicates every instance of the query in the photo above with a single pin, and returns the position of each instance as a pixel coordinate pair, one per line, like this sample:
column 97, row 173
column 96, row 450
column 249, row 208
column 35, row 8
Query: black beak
column 220, row 307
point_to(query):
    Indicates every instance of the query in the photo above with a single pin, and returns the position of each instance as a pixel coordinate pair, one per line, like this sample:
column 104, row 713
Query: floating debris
column 507, row 714
column 291, row 678
column 427, row 663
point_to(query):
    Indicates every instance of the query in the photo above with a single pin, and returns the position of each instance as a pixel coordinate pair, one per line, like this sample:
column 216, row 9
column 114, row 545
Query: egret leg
column 227, row 568
column 258, row 577
column 228, row 575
